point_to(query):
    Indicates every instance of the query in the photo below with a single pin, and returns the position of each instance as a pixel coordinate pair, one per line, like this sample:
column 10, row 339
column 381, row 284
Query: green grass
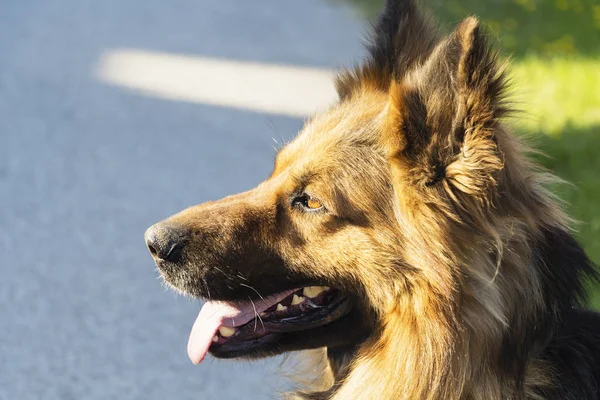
column 555, row 50
column 561, row 103
column 523, row 27
column 556, row 94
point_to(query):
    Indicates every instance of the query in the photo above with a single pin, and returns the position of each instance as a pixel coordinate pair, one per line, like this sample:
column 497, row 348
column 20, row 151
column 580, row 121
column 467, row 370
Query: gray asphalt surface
column 86, row 167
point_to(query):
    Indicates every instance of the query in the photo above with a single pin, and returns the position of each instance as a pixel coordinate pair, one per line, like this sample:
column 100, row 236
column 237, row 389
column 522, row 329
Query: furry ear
column 402, row 37
column 445, row 113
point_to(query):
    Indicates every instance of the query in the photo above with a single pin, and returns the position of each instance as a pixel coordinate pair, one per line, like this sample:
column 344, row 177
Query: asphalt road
column 85, row 167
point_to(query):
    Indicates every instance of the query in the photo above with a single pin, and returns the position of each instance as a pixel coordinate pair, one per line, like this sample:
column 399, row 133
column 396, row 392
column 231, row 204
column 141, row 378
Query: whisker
column 207, row 290
column 256, row 291
column 257, row 316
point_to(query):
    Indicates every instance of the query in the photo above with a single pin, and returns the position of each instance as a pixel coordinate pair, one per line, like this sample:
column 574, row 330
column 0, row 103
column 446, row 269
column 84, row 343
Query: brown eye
column 313, row 204
column 307, row 202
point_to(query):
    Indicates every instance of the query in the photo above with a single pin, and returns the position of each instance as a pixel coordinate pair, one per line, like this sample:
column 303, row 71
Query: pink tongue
column 215, row 314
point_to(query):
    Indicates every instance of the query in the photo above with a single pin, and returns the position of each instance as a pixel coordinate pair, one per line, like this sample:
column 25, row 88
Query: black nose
column 165, row 242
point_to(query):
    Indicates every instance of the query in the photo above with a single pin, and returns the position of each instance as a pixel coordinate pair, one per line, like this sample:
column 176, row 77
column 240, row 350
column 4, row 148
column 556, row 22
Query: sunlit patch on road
column 274, row 89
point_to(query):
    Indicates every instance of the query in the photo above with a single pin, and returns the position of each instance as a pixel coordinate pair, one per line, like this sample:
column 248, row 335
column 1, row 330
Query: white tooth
column 314, row 291
column 215, row 338
column 280, row 307
column 297, row 300
column 226, row 331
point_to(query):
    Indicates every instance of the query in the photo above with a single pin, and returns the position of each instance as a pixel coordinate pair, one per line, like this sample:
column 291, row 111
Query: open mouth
column 232, row 329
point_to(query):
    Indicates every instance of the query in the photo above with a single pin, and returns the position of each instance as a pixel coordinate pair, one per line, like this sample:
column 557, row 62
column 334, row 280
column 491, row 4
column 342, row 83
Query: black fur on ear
column 449, row 108
column 402, row 37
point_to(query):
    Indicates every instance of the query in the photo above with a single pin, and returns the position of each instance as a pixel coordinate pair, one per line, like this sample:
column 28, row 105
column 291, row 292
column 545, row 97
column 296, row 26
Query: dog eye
column 307, row 202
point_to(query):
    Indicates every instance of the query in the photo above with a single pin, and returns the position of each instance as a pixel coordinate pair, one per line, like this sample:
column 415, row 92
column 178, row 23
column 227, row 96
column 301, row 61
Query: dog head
column 373, row 210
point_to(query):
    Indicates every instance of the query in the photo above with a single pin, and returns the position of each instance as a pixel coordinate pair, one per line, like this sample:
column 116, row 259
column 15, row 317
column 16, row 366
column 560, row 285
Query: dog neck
column 425, row 350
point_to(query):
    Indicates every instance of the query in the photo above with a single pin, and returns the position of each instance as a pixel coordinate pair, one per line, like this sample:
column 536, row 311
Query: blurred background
column 115, row 114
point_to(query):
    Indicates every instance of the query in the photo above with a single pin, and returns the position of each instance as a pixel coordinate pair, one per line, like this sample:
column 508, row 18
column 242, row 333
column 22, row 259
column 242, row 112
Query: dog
column 405, row 232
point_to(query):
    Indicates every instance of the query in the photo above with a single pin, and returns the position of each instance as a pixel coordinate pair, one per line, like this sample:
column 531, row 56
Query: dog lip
column 303, row 317
column 221, row 316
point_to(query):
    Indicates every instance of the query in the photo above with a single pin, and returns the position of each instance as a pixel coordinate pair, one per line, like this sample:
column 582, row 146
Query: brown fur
column 432, row 220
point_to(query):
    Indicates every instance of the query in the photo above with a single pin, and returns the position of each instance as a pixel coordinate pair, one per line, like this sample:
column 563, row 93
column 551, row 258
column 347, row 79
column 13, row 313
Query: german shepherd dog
column 405, row 233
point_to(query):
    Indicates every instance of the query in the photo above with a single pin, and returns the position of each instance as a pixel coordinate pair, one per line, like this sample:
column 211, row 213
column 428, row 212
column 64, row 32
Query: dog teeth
column 314, row 291
column 215, row 338
column 297, row 300
column 226, row 331
column 280, row 307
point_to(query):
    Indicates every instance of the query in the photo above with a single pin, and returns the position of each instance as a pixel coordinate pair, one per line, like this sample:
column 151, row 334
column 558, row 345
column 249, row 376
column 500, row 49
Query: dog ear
column 401, row 37
column 442, row 117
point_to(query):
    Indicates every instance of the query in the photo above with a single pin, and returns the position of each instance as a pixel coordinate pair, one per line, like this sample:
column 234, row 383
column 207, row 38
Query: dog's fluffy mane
column 492, row 319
